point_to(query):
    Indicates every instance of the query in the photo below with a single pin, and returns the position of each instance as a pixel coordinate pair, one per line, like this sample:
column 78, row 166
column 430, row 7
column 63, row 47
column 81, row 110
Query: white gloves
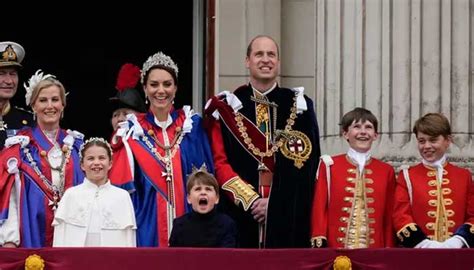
column 429, row 244
column 453, row 242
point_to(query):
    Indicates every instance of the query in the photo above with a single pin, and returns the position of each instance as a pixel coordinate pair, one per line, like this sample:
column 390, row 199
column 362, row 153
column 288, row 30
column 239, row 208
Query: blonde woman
column 38, row 165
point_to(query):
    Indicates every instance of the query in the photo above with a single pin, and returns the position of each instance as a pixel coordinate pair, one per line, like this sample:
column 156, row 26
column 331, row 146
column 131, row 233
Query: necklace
column 275, row 145
column 57, row 190
column 170, row 150
column 177, row 136
column 55, row 157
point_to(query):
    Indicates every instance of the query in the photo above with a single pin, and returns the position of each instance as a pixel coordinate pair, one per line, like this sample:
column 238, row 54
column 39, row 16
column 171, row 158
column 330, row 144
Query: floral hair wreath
column 93, row 140
column 33, row 82
column 158, row 59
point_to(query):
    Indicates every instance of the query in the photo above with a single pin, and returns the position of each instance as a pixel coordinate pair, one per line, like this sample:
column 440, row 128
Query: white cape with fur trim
column 116, row 215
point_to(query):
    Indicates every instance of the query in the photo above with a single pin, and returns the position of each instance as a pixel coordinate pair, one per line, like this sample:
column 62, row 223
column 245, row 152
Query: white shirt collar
column 438, row 164
column 266, row 92
column 164, row 124
column 359, row 158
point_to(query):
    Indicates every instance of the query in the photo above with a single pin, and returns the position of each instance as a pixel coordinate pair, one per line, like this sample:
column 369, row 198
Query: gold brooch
column 342, row 263
column 34, row 262
column 297, row 147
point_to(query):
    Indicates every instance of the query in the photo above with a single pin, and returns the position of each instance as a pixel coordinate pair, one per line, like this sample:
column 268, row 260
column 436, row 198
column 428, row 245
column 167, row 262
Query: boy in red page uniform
column 354, row 192
column 434, row 206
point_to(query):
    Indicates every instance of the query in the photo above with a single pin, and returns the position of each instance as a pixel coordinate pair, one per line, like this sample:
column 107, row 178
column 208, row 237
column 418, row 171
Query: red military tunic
column 438, row 210
column 334, row 220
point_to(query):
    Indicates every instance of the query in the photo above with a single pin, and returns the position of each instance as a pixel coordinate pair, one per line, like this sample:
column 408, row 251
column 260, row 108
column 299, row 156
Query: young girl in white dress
column 95, row 213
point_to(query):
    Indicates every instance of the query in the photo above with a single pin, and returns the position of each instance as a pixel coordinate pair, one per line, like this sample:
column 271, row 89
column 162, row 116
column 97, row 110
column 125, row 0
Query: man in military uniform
column 11, row 118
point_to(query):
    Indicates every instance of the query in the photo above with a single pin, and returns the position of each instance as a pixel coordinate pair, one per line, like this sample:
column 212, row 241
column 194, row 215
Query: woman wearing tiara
column 95, row 213
column 38, row 165
column 159, row 150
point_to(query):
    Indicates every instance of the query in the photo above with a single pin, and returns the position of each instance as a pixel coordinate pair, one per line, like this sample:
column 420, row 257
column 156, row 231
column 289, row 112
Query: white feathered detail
column 33, row 82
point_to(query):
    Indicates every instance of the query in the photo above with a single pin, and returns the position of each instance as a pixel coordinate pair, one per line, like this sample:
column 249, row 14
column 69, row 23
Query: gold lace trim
column 242, row 191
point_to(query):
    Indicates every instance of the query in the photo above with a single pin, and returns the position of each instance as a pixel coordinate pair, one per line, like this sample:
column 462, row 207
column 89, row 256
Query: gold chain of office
column 276, row 145
column 170, row 150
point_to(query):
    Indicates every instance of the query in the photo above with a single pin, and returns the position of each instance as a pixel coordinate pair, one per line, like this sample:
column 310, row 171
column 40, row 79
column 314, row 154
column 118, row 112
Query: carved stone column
column 399, row 59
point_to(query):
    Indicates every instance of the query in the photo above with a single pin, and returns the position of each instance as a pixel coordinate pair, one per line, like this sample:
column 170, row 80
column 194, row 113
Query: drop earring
column 34, row 116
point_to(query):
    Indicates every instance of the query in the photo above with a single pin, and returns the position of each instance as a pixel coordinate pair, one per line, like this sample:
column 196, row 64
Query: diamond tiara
column 92, row 140
column 202, row 169
column 158, row 59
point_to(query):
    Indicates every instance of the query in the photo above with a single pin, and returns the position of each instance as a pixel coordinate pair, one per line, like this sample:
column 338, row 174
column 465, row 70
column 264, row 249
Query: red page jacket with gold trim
column 333, row 211
column 426, row 210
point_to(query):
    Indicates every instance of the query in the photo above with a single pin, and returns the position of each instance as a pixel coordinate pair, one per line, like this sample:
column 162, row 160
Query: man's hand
column 259, row 209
